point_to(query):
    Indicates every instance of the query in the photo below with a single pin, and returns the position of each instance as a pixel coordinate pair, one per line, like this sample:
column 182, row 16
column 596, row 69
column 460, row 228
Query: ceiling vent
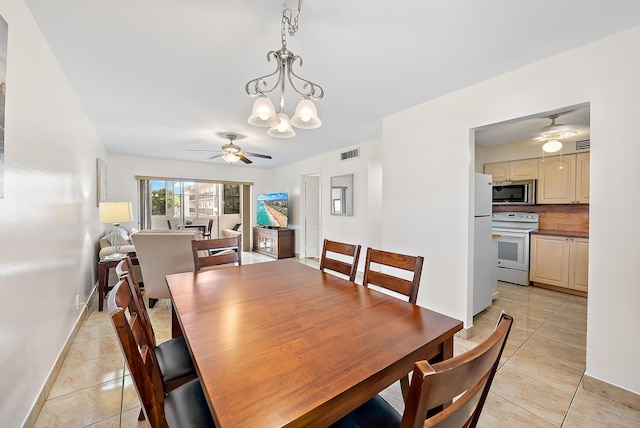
column 351, row 154
column 583, row 145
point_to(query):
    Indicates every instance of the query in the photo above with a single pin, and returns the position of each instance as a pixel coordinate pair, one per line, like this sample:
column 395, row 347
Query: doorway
column 311, row 201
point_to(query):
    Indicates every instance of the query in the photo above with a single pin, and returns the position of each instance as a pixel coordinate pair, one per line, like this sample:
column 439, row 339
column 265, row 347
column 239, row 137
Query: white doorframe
column 311, row 222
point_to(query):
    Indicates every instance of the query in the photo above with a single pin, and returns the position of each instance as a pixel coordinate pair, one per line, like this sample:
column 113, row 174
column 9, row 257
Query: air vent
column 355, row 153
column 583, row 145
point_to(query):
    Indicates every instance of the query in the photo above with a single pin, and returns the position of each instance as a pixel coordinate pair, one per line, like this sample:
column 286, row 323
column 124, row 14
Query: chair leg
column 141, row 415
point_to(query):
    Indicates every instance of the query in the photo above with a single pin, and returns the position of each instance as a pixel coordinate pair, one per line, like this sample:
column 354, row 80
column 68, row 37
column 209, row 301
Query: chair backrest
column 403, row 286
column 209, row 226
column 163, row 252
column 214, row 252
column 467, row 376
column 349, row 250
column 141, row 360
column 124, row 270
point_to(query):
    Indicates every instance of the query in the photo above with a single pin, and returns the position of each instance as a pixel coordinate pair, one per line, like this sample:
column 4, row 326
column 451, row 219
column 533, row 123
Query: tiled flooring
column 537, row 385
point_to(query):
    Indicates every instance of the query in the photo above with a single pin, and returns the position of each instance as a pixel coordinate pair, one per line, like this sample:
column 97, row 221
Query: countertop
column 567, row 233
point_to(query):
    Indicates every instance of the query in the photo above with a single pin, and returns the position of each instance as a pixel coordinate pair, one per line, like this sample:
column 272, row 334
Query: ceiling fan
column 233, row 153
column 552, row 134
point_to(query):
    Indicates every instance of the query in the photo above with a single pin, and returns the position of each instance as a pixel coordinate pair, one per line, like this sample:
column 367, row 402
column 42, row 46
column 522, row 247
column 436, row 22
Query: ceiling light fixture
column 552, row 146
column 264, row 113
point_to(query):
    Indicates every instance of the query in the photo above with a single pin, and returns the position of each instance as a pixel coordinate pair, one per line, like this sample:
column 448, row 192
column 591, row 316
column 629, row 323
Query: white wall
column 123, row 187
column 48, row 217
column 436, row 201
column 363, row 227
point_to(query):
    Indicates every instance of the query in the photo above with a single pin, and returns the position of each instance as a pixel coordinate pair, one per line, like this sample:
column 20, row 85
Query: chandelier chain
column 289, row 23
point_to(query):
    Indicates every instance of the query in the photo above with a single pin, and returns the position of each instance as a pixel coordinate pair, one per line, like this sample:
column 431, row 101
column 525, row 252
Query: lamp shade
column 552, row 146
column 115, row 212
column 263, row 113
column 306, row 115
column 283, row 129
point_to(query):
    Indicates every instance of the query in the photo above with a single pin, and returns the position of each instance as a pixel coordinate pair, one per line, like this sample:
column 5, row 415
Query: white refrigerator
column 483, row 266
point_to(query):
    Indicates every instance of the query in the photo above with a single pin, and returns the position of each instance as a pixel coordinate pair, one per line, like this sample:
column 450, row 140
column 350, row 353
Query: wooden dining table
column 284, row 344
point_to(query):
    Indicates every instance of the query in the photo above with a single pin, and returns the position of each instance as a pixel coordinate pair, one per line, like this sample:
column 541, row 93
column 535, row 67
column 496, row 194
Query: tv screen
column 273, row 209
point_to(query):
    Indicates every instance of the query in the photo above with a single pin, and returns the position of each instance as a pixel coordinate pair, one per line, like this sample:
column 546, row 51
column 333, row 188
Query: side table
column 103, row 275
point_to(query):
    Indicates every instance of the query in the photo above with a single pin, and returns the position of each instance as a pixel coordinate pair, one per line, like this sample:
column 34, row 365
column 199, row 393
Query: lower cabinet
column 560, row 261
column 277, row 243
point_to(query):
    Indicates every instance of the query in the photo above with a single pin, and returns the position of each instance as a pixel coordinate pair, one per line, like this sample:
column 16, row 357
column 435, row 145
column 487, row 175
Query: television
column 273, row 210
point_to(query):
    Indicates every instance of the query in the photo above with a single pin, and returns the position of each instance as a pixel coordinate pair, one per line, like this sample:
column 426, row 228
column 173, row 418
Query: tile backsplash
column 567, row 218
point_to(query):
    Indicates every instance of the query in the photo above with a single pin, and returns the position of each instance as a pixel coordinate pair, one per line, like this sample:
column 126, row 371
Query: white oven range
column 513, row 244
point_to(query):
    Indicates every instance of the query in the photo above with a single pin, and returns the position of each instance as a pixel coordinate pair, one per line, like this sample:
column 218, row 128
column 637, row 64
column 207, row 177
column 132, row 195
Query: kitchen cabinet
column 563, row 179
column 525, row 169
column 560, row 261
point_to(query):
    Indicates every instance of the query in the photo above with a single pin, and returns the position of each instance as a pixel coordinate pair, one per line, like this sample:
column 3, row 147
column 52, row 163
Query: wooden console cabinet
column 276, row 243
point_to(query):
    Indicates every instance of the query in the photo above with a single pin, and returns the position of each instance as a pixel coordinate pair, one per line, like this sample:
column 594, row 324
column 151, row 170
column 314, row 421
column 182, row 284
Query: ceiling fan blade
column 258, row 155
column 215, row 156
column 244, row 159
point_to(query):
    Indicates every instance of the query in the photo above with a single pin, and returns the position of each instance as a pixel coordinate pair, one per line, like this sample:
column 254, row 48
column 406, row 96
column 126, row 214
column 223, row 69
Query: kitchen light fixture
column 116, row 213
column 264, row 113
column 552, row 146
column 552, row 134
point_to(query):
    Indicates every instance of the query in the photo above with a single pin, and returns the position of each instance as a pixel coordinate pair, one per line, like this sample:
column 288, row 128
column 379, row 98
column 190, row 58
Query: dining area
column 285, row 343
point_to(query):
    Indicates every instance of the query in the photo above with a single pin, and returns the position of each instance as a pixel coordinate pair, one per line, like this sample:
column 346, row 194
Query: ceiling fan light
column 283, row 128
column 306, row 115
column 231, row 158
column 263, row 113
column 552, row 146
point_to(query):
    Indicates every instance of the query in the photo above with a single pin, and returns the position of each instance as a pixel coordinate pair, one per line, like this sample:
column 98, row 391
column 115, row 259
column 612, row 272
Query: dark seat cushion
column 186, row 406
column 174, row 360
column 374, row 413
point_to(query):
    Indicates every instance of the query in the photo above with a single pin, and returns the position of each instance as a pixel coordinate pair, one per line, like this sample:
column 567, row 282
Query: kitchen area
column 539, row 202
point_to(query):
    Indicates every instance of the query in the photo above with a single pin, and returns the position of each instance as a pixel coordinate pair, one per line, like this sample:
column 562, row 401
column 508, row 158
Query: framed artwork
column 102, row 182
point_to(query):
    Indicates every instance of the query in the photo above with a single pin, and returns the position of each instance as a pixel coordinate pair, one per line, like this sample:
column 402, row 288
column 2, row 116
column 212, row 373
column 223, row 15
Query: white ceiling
column 158, row 78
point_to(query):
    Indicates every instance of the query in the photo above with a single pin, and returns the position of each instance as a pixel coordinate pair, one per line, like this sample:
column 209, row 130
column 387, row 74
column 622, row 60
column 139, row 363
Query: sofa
column 232, row 233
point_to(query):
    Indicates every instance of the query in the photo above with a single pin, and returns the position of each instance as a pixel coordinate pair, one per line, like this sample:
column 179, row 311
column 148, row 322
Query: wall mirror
column 342, row 195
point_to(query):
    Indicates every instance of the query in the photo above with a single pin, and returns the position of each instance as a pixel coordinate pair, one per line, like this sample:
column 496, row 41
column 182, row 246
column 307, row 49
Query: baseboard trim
column 466, row 333
column 30, row 421
column 612, row 392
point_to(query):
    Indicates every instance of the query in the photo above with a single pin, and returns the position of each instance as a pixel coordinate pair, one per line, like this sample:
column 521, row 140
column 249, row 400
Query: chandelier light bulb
column 263, row 113
column 306, row 115
column 283, row 128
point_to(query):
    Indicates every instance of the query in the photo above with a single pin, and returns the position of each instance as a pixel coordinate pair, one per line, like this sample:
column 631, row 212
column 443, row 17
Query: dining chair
column 214, row 252
column 185, row 405
column 348, row 250
column 407, row 287
column 174, row 359
column 207, row 233
column 448, row 394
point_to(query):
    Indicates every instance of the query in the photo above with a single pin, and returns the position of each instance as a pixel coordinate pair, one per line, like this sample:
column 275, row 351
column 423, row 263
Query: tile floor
column 537, row 385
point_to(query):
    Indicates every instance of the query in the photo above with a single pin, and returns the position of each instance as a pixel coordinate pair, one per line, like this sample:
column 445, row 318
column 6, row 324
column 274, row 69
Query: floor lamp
column 115, row 213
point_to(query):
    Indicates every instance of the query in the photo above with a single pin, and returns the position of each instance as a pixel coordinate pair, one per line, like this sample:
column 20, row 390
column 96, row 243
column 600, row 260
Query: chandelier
column 264, row 113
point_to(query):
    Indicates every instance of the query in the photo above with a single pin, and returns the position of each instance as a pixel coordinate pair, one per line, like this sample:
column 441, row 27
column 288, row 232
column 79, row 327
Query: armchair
column 162, row 252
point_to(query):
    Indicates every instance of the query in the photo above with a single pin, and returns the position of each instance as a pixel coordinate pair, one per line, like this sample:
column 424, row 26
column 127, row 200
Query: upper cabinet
column 563, row 179
column 526, row 169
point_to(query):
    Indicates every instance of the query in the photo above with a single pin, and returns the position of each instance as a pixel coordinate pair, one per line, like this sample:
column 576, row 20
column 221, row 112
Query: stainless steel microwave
column 514, row 192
